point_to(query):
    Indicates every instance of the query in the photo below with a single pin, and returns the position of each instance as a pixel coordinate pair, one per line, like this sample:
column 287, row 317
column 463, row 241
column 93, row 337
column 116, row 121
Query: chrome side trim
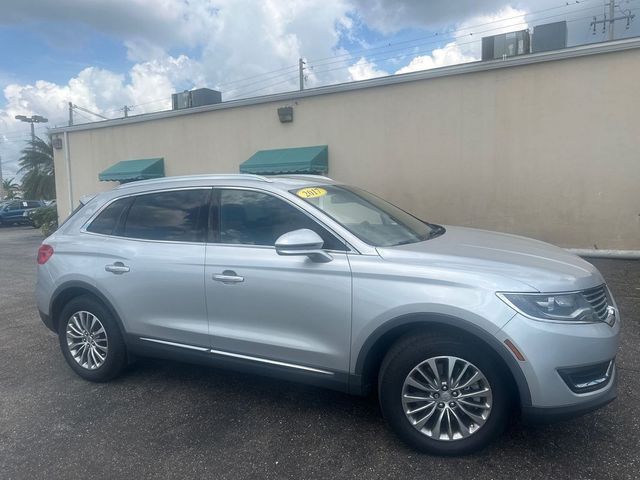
column 271, row 362
column 174, row 344
column 238, row 355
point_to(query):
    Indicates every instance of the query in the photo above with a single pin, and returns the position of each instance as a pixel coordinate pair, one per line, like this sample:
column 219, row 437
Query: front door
column 270, row 308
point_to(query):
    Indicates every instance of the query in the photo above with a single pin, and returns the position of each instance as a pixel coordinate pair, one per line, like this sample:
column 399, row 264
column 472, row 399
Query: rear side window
column 106, row 222
column 173, row 216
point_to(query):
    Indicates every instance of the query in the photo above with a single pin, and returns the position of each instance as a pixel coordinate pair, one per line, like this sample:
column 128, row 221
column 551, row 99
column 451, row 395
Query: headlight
column 567, row 307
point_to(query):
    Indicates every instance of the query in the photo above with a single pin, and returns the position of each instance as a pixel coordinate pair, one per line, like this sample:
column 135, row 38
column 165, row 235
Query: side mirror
column 303, row 242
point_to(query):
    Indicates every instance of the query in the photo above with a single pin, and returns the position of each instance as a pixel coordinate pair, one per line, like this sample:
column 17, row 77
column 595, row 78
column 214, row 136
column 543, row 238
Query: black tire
column 412, row 350
column 116, row 356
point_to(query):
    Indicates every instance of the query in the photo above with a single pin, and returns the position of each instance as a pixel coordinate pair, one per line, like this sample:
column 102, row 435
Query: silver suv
column 305, row 278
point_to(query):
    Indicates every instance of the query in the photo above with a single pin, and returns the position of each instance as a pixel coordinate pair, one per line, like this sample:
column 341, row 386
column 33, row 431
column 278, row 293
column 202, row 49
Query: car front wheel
column 443, row 396
column 90, row 340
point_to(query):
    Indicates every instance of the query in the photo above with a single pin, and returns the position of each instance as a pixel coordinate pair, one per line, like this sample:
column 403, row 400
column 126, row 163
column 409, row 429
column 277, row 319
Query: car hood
column 538, row 265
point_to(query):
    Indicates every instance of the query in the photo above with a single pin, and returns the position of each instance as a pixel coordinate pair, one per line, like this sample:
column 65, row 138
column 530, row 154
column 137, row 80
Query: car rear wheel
column 90, row 340
column 442, row 395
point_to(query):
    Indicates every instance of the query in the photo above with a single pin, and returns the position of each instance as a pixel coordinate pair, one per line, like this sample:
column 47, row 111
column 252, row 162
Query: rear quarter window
column 107, row 220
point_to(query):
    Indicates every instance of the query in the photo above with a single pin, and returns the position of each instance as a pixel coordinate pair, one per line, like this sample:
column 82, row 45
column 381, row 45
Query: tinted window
column 253, row 218
column 106, row 222
column 34, row 204
column 178, row 216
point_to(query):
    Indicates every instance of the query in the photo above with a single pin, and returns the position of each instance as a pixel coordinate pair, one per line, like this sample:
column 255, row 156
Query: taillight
column 44, row 253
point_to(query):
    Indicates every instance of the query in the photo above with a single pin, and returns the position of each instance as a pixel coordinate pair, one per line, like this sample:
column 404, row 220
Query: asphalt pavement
column 172, row 420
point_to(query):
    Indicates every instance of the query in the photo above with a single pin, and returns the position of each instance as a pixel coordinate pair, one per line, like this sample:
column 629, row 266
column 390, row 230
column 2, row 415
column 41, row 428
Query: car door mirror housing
column 302, row 242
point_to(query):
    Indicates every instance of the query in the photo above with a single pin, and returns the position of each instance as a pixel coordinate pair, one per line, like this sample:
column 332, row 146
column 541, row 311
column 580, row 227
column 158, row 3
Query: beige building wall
column 549, row 150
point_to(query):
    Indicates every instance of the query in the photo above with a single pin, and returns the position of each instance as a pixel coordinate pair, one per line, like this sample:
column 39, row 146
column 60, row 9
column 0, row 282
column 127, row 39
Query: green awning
column 311, row 160
column 132, row 170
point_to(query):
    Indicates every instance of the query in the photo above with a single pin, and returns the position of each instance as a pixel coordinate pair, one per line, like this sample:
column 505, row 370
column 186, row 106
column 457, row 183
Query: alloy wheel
column 87, row 340
column 446, row 398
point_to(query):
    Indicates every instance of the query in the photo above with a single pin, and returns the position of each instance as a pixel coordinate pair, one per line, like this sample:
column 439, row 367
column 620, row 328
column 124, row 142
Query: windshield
column 368, row 217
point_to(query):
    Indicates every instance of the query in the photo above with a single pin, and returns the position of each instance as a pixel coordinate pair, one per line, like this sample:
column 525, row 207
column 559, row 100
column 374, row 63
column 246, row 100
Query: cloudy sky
column 102, row 55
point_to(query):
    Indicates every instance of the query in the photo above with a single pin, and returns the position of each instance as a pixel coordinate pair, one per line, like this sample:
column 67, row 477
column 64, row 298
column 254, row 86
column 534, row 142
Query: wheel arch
column 70, row 290
column 377, row 344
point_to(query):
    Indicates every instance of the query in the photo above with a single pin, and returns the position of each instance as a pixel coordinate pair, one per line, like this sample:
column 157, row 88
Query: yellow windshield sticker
column 313, row 192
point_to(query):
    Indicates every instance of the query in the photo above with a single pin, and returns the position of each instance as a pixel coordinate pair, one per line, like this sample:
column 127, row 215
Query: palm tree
column 10, row 189
column 36, row 165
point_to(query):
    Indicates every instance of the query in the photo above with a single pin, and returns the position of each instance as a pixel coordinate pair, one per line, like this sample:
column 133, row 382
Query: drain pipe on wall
column 616, row 254
column 67, row 161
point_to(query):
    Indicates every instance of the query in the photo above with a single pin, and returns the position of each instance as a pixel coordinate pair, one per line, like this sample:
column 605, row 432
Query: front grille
column 599, row 300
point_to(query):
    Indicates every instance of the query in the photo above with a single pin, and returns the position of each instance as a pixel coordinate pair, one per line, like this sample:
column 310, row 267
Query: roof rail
column 307, row 176
column 222, row 176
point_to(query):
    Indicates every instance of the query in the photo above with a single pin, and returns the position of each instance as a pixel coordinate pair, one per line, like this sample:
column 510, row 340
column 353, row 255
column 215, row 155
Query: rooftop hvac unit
column 195, row 98
column 551, row 36
column 505, row 45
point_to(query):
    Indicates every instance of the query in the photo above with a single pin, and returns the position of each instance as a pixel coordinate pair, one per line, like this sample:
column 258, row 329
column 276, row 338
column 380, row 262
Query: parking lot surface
column 172, row 420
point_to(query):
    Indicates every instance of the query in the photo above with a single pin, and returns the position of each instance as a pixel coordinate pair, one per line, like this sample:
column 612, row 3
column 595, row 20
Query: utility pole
column 70, row 114
column 612, row 12
column 301, row 64
column 626, row 15
column 126, row 111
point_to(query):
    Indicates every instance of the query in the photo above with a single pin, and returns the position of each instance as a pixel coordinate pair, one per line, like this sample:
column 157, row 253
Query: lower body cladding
column 150, row 347
column 569, row 368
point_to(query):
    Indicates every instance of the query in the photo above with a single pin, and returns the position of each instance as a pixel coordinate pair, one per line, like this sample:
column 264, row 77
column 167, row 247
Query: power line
column 446, row 34
column 438, row 41
column 427, row 51
column 239, row 90
column 284, row 75
column 625, row 15
column 286, row 72
column 84, row 116
column 286, row 80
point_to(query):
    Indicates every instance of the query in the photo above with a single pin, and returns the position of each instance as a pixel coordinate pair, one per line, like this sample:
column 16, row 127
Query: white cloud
column 229, row 40
column 148, row 85
column 465, row 48
column 363, row 69
column 162, row 24
column 389, row 16
column 271, row 37
column 451, row 54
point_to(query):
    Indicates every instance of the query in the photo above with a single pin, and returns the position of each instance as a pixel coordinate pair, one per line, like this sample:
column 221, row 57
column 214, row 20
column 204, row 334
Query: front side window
column 368, row 217
column 178, row 215
column 254, row 218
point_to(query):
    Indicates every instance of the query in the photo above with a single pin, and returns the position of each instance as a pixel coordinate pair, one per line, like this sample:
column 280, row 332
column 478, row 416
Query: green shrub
column 45, row 218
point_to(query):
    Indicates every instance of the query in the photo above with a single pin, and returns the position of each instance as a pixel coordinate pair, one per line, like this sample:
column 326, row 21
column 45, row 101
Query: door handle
column 118, row 268
column 228, row 276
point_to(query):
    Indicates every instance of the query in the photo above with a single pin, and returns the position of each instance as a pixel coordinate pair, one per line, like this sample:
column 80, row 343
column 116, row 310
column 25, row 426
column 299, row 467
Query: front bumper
column 542, row 415
column 552, row 349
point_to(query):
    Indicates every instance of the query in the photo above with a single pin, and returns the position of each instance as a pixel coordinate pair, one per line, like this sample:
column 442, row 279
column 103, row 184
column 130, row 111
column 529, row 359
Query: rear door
column 269, row 308
column 148, row 259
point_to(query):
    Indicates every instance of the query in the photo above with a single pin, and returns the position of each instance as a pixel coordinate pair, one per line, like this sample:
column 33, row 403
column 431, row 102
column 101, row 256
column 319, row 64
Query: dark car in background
column 16, row 211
